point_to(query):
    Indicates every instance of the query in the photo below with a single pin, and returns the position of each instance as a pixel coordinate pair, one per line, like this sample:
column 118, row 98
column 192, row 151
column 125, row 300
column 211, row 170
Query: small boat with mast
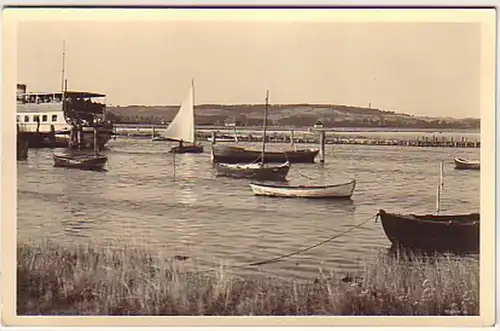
column 234, row 154
column 76, row 157
column 255, row 170
column 457, row 233
column 182, row 128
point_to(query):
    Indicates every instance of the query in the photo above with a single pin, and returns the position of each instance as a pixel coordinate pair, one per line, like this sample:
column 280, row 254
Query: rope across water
column 284, row 256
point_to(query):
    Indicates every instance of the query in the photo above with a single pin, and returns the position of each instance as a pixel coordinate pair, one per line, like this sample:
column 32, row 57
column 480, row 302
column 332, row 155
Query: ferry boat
column 48, row 117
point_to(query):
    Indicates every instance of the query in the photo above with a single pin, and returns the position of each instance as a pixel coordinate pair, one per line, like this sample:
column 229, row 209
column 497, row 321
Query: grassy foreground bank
column 54, row 280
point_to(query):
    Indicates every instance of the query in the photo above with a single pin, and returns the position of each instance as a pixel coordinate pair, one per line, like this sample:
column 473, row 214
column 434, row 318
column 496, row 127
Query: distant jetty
column 332, row 138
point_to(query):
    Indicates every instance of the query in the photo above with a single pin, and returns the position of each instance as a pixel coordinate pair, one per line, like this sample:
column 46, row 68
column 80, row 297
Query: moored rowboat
column 456, row 233
column 337, row 191
column 461, row 163
column 80, row 161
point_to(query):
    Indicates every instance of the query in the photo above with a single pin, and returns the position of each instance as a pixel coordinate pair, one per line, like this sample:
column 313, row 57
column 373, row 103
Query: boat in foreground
column 337, row 191
column 461, row 163
column 82, row 161
column 454, row 233
column 255, row 171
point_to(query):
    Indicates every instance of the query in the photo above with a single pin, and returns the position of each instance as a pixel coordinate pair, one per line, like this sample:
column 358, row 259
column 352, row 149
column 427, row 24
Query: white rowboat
column 337, row 191
column 461, row 163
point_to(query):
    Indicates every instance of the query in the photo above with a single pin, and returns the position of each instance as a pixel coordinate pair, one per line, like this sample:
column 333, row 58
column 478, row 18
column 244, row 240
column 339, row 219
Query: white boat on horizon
column 463, row 163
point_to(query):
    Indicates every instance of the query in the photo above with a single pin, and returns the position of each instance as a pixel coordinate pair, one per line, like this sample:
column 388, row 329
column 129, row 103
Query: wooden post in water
column 440, row 187
column 153, row 135
column 22, row 144
column 235, row 135
column 81, row 141
column 214, row 137
column 292, row 140
column 322, row 140
column 265, row 129
column 95, row 141
column 173, row 161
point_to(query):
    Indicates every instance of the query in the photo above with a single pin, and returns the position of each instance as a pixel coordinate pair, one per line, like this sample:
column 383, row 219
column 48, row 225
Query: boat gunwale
column 238, row 166
column 461, row 160
column 243, row 149
column 295, row 187
column 435, row 219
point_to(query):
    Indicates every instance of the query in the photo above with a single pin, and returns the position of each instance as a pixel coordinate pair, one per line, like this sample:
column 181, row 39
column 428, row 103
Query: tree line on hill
column 357, row 117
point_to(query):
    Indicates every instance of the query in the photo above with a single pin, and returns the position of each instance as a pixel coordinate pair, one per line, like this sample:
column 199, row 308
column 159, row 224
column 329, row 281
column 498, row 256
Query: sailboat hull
column 253, row 171
column 231, row 154
column 193, row 149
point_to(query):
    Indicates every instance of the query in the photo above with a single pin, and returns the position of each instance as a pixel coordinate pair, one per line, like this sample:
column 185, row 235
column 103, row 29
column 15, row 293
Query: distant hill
column 294, row 115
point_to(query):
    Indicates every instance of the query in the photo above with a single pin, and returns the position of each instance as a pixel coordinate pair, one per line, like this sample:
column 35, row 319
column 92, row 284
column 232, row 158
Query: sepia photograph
column 249, row 162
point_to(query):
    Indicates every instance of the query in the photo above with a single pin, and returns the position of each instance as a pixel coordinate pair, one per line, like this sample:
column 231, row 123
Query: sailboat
column 182, row 128
column 254, row 170
column 235, row 154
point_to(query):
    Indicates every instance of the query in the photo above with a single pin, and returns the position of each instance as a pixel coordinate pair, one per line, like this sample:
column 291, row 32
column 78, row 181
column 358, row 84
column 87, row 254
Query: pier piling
column 214, row 137
column 22, row 144
column 322, row 140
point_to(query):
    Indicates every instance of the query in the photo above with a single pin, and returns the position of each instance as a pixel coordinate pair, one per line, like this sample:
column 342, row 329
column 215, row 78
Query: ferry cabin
column 54, row 112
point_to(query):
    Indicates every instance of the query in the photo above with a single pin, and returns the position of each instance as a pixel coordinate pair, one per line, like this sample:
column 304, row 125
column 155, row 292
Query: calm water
column 212, row 220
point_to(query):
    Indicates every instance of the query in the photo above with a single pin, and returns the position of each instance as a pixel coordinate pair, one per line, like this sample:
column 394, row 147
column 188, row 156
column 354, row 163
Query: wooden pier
column 329, row 139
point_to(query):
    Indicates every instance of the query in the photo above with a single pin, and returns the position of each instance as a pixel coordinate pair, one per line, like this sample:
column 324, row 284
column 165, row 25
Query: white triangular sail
column 182, row 126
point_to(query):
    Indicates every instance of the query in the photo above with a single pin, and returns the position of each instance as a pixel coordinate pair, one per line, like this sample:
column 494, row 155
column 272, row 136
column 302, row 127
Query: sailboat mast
column 265, row 127
column 63, row 64
column 194, row 112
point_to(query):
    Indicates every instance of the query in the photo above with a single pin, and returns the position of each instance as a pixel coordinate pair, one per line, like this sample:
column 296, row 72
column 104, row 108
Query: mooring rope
column 281, row 257
column 305, row 176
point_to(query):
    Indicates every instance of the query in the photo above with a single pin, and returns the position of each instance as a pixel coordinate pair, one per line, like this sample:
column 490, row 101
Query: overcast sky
column 419, row 68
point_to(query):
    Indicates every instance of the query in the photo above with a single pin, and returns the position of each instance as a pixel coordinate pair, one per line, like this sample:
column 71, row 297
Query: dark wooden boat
column 82, row 161
column 232, row 154
column 251, row 170
column 453, row 233
column 464, row 164
column 191, row 148
column 254, row 171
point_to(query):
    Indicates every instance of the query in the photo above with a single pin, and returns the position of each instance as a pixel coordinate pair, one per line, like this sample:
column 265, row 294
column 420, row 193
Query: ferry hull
column 62, row 139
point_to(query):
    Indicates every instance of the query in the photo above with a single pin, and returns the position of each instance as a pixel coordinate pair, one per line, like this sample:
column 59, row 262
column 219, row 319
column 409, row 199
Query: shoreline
column 82, row 280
